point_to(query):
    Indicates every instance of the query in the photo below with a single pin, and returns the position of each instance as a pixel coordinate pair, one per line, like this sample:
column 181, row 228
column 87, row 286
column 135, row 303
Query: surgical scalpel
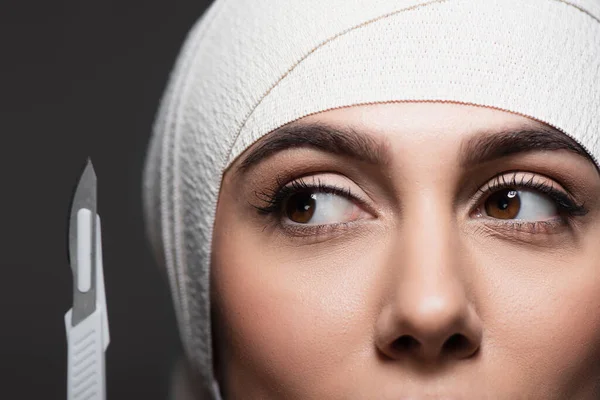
column 86, row 323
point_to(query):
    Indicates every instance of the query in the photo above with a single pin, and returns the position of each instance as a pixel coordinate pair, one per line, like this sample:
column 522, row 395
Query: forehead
column 422, row 122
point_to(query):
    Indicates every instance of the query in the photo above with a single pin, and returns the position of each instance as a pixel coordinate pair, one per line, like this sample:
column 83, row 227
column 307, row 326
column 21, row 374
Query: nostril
column 456, row 343
column 405, row 343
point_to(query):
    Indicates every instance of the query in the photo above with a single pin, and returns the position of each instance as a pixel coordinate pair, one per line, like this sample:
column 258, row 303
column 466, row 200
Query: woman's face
column 409, row 251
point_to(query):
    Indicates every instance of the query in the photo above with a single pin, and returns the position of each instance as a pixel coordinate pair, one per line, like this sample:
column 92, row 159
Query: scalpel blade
column 82, row 251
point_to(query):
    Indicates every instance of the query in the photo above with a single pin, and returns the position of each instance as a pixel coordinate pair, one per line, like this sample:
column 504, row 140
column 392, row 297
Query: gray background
column 79, row 79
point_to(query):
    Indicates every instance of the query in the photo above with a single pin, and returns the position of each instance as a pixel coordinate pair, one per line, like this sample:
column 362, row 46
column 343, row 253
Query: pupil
column 503, row 204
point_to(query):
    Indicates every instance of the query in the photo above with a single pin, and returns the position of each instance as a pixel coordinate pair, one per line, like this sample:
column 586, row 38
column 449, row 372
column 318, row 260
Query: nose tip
column 432, row 330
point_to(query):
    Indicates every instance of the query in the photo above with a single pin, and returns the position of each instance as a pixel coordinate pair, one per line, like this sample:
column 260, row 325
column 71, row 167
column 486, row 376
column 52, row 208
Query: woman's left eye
column 317, row 208
column 520, row 204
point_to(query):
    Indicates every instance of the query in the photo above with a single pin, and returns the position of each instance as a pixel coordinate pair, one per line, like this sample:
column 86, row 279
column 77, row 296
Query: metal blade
column 84, row 302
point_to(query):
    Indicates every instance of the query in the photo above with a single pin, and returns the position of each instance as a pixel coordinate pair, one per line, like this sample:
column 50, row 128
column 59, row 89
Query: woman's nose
column 430, row 329
column 429, row 316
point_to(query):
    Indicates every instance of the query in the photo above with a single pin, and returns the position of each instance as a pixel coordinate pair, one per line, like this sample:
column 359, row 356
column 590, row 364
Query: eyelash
column 564, row 202
column 567, row 207
column 276, row 198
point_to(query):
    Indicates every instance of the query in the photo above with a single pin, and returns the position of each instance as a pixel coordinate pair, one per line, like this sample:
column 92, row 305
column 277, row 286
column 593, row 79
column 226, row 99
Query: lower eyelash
column 528, row 227
column 303, row 230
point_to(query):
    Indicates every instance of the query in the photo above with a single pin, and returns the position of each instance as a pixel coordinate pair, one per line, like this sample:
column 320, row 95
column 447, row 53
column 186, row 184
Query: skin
column 420, row 296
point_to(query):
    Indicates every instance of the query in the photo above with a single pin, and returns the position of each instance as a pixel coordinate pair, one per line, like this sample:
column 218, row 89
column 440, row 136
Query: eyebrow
column 343, row 141
column 348, row 142
column 490, row 146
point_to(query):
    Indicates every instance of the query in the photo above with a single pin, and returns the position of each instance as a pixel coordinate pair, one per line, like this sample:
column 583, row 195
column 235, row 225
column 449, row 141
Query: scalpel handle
column 86, row 363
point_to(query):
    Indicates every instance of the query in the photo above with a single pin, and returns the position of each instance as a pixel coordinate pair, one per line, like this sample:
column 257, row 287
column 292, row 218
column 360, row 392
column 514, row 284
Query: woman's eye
column 320, row 208
column 519, row 204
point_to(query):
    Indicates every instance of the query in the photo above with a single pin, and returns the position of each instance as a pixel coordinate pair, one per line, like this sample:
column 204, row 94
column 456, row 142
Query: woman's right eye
column 521, row 204
column 318, row 208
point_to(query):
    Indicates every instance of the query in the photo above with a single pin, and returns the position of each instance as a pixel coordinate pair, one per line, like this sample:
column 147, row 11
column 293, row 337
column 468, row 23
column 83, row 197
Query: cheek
column 542, row 316
column 296, row 317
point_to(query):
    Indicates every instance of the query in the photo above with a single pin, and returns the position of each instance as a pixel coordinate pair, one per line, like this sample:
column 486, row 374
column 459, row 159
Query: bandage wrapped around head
column 249, row 67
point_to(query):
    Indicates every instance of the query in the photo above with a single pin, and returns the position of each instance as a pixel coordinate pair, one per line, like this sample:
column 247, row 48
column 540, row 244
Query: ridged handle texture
column 86, row 370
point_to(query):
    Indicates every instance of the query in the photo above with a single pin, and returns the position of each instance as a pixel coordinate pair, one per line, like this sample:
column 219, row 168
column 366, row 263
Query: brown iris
column 300, row 207
column 504, row 204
